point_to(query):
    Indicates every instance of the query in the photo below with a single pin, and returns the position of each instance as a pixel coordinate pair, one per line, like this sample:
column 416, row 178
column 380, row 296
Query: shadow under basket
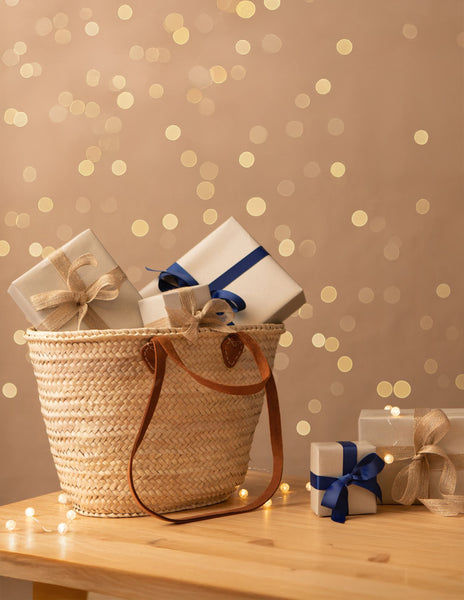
column 94, row 387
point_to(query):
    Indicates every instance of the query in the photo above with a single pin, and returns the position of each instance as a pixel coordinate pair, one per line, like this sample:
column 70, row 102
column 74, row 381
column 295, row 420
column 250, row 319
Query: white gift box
column 120, row 313
column 153, row 308
column 271, row 295
column 327, row 460
column 394, row 438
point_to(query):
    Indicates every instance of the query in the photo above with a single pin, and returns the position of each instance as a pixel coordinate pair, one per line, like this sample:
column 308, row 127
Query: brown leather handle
column 163, row 347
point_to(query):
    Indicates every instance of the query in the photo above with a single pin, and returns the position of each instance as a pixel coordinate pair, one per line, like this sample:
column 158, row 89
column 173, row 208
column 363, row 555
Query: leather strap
column 162, row 347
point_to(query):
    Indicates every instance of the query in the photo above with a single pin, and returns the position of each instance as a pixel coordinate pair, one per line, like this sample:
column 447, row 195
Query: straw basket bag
column 99, row 390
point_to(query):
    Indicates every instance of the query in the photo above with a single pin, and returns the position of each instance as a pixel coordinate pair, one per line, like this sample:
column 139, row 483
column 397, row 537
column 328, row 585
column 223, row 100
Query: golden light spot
column 391, row 251
column 9, row 115
column 401, row 389
column 93, row 153
column 243, row 493
column 118, row 82
column 384, row 389
column 459, row 381
column 47, row 251
column 430, row 366
column 152, row 55
column 272, row 4
column 294, row 129
column 359, row 218
column 307, row 248
column 409, row 31
column 286, row 247
column 209, row 170
column 140, row 228
column 125, row 100
column 318, row 340
column 311, row 169
column 392, row 294
column 256, row 206
column 63, row 36
column 238, row 72
column 422, row 206
column 82, row 205
column 170, row 221
column 258, row 134
column 10, row 218
column 77, row 107
column 181, row 36
column 271, row 43
column 4, row 248
column 20, row 119
column 18, row 337
column 306, row 311
column 443, row 290
column 281, row 232
column 426, row 322
column 64, row 232
column 366, row 295
column 206, row 107
column 242, row 47
column 308, row 484
column 284, row 488
column 246, row 159
column 332, row 344
column 125, row 12
column 10, row 58
column 9, row 390
column 26, row 70
column 23, row 220
column 65, row 98
column 421, row 137
column 347, row 323
column 156, row 90
column 303, row 427
column 218, row 74
column 136, row 52
column 86, row 167
column 43, row 26
column 335, row 126
column 210, row 216
column 29, row 174
column 286, row 188
column 113, row 125
column 323, row 86
column 286, row 339
column 35, row 249
column 337, row 169
column 344, row 364
column 173, row 132
column 36, row 69
column 328, row 294
column 204, row 23
column 92, row 110
column 314, row 406
column 245, row 9
column 388, row 458
column 91, row 28
column 194, row 95
column 60, row 20
column 344, row 47
column 205, row 190
column 337, row 388
column 302, row 100
column 119, row 167
column 93, row 77
column 188, row 158
column 173, row 22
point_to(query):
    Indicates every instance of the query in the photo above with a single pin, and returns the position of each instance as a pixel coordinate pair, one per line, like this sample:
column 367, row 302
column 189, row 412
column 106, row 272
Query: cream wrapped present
column 239, row 270
column 344, row 479
column 426, row 445
column 79, row 286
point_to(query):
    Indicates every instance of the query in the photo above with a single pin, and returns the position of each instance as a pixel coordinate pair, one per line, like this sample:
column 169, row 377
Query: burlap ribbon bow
column 76, row 298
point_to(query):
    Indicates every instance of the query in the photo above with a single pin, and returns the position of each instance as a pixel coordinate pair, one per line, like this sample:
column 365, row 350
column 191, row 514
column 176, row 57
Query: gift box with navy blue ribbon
column 237, row 269
column 344, row 479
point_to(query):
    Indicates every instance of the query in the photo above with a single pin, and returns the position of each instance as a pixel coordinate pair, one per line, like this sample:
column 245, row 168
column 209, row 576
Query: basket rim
column 141, row 332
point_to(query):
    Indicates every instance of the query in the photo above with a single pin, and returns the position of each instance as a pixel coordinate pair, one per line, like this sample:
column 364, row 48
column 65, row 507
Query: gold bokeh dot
column 10, row 218
column 443, row 290
column 60, row 20
column 344, row 47
column 294, row 129
column 93, row 77
column 140, row 228
column 409, row 31
column 286, row 188
column 359, row 218
column 246, row 159
column 173, row 132
column 26, row 70
column 242, row 47
column 210, row 216
column 20, row 119
column 307, row 248
column 302, row 100
column 63, row 36
column 421, row 137
column 9, row 115
column 328, row 294
column 271, row 43
column 93, row 153
column 335, row 126
column 318, row 340
column 392, row 295
column 391, row 250
column 459, row 381
column 337, row 169
column 402, row 389
column 347, row 323
column 281, row 232
column 29, row 174
column 422, row 206
column 205, row 190
column 314, row 406
column 323, row 86
column 43, row 26
column 188, row 158
column 245, row 9
column 286, row 247
column 125, row 12
column 47, row 251
column 272, row 4
column 23, row 220
column 65, row 98
column 209, row 170
column 91, row 28
column 119, row 167
column 118, row 82
column 303, row 427
column 426, row 322
column 311, row 169
column 337, row 388
column 86, row 167
column 238, row 72
column 125, row 100
column 204, row 23
column 344, row 364
column 366, row 295
column 306, row 311
column 218, row 74
column 173, row 22
column 286, row 339
column 332, row 344
column 256, row 206
column 10, row 58
column 258, row 134
column 384, row 389
column 9, row 390
column 194, row 95
column 430, row 366
column 35, row 249
column 152, row 55
column 170, row 221
column 18, row 337
column 77, row 107
column 136, row 52
column 113, row 125
column 4, row 248
column 181, row 36
column 206, row 107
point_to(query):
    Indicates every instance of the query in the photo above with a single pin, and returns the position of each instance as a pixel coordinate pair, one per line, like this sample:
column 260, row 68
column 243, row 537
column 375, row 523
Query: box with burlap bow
column 78, row 286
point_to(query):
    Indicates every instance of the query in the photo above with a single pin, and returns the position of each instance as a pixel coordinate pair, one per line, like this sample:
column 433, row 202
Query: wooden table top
column 283, row 552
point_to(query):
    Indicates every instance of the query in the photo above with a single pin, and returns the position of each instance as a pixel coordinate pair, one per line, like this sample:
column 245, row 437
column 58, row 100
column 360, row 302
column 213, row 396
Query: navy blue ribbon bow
column 364, row 474
column 176, row 276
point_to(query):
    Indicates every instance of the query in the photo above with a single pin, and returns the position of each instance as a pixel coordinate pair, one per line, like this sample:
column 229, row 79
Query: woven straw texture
column 94, row 387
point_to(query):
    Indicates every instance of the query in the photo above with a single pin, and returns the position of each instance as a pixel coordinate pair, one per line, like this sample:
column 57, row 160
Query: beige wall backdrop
column 331, row 129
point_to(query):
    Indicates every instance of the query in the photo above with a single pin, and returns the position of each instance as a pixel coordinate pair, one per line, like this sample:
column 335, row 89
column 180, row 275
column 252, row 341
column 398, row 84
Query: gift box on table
column 400, row 438
column 237, row 269
column 343, row 479
column 78, row 286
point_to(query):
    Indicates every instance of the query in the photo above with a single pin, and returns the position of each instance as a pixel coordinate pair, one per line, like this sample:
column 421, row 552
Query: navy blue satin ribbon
column 176, row 276
column 363, row 474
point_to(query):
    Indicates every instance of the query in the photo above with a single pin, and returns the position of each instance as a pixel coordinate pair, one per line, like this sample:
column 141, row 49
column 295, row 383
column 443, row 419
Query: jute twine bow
column 76, row 298
column 216, row 313
column 413, row 480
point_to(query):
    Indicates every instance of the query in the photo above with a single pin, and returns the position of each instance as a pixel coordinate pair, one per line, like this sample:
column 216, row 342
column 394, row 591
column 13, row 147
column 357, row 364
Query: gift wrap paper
column 121, row 313
column 395, row 435
column 154, row 308
column 327, row 459
column 271, row 295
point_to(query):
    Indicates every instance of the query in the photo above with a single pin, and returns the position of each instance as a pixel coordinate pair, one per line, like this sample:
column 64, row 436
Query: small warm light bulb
column 243, row 493
column 395, row 411
column 71, row 515
column 388, row 458
column 284, row 488
column 268, row 504
column 387, row 407
column 62, row 528
column 29, row 512
column 308, row 486
column 10, row 525
column 62, row 498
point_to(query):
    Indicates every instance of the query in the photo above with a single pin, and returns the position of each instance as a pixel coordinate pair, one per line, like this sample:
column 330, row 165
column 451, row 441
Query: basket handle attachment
column 155, row 353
